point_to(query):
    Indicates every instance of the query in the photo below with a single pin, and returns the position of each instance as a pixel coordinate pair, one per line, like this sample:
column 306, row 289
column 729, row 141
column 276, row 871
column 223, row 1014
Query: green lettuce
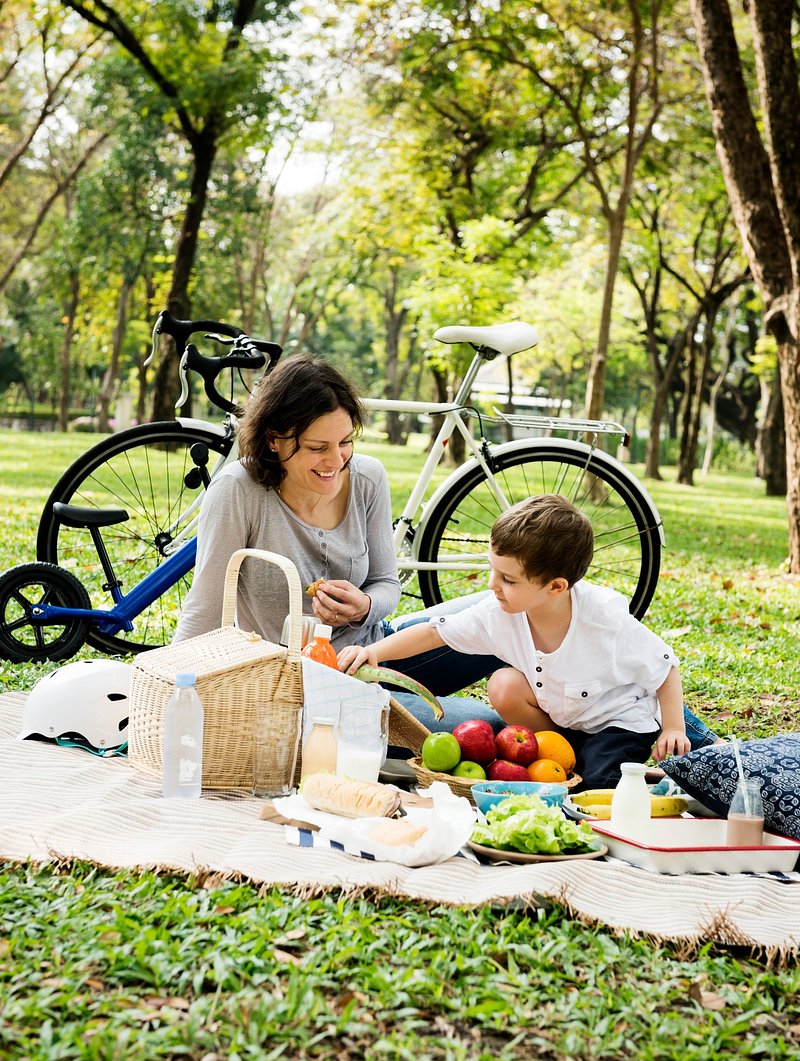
column 528, row 824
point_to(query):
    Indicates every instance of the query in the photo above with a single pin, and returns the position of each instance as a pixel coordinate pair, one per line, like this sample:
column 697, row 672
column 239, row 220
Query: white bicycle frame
column 403, row 540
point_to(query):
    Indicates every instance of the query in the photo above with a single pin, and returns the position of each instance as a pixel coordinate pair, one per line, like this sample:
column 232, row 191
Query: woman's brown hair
column 284, row 405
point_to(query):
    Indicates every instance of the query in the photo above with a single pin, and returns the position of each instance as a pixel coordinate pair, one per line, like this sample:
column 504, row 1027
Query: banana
column 393, row 677
column 660, row 806
column 597, row 810
column 594, row 796
column 667, row 806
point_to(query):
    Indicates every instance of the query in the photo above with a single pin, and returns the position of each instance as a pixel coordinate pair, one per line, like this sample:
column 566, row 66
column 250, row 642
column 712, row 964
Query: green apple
column 440, row 752
column 474, row 771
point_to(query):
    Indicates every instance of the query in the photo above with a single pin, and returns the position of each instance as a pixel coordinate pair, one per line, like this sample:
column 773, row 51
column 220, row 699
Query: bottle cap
column 184, row 680
column 321, row 630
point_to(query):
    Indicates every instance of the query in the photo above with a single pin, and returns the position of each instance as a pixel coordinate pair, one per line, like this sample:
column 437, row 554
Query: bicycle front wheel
column 152, row 472
column 627, row 527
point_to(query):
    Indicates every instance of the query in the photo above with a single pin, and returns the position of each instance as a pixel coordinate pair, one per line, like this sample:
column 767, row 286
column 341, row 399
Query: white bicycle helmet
column 84, row 703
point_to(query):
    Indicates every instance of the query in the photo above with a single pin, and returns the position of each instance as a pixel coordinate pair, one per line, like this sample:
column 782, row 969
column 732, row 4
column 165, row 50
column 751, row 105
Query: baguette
column 395, row 833
column 351, row 799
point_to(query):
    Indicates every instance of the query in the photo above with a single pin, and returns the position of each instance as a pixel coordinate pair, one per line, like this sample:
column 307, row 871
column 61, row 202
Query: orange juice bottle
column 319, row 648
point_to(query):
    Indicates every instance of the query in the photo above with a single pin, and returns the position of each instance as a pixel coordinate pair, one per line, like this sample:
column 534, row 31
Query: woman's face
column 325, row 448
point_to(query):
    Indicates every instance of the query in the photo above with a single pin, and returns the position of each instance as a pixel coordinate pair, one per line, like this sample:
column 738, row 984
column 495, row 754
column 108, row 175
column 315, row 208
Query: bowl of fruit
column 473, row 754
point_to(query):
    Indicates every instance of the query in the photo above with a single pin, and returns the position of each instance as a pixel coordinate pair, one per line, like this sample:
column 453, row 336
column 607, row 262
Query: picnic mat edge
column 61, row 805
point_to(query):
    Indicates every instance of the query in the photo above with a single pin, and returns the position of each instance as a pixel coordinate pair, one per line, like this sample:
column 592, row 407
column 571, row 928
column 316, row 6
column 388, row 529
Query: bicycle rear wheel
column 143, row 470
column 625, row 521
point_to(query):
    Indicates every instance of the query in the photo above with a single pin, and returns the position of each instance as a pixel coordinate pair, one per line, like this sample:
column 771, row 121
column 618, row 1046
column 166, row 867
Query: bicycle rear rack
column 564, row 424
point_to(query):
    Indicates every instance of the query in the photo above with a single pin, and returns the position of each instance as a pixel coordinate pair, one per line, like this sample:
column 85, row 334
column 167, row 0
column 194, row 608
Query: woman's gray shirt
column 239, row 513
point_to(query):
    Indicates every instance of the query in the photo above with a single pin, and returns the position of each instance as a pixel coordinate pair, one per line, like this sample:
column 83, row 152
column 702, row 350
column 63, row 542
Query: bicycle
column 136, row 496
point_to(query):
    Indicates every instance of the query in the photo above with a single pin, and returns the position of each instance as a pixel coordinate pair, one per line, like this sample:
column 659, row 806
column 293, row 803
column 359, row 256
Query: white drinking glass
column 362, row 741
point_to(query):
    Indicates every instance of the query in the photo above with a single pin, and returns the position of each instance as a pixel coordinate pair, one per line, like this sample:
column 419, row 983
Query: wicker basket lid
column 218, row 651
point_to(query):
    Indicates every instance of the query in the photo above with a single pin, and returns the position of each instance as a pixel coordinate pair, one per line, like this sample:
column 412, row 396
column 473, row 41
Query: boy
column 578, row 660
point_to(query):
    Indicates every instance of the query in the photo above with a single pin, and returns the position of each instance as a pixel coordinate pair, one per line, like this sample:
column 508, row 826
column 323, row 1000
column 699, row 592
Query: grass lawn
column 96, row 964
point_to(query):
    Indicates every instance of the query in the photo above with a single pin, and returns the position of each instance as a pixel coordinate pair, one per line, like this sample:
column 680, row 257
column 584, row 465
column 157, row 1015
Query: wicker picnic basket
column 239, row 677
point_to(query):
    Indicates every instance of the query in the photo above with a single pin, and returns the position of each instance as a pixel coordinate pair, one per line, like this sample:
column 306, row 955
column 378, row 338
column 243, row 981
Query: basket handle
column 295, row 591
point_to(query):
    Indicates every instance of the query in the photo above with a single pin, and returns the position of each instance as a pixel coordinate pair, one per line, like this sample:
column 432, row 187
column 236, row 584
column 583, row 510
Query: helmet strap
column 104, row 753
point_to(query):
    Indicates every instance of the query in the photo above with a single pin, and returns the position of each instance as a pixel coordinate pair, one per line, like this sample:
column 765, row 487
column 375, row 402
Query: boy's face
column 515, row 592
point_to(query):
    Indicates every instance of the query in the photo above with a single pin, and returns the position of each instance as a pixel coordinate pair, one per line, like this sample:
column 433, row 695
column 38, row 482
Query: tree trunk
column 596, row 383
column 771, row 442
column 665, row 375
column 65, row 357
column 167, row 383
column 711, row 423
column 685, row 470
column 761, row 178
column 652, row 461
column 789, row 360
column 694, row 407
column 110, row 377
column 141, row 370
column 396, row 425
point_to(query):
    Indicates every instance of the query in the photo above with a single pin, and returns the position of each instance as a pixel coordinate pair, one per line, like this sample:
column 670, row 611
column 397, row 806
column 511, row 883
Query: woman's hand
column 354, row 656
column 338, row 602
column 671, row 742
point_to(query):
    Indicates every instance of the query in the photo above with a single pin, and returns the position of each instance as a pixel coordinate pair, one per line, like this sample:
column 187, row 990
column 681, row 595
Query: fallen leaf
column 728, row 583
column 224, row 909
column 679, row 631
column 707, row 999
column 167, row 1002
column 285, row 956
column 294, row 933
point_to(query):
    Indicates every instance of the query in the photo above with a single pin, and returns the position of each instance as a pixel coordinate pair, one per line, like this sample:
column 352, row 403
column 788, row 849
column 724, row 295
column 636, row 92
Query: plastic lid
column 184, row 680
column 321, row 630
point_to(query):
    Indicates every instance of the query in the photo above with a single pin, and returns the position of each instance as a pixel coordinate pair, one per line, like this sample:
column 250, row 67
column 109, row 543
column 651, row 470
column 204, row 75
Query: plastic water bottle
column 183, row 741
column 319, row 648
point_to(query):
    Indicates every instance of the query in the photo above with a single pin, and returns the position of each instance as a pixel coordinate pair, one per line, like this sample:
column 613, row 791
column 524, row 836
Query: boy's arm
column 422, row 637
column 673, row 739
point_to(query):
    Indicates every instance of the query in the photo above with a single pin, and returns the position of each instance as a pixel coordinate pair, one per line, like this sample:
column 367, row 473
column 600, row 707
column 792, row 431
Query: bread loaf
column 396, row 833
column 351, row 799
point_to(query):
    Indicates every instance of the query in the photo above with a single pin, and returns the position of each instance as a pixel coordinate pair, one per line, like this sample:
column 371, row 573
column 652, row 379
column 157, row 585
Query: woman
column 299, row 490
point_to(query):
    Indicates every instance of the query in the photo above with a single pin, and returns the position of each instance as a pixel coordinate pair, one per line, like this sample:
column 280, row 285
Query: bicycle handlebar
column 246, row 352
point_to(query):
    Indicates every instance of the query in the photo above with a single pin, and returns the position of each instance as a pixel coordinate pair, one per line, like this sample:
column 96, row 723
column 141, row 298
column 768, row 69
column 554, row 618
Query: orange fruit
column 553, row 746
column 547, row 770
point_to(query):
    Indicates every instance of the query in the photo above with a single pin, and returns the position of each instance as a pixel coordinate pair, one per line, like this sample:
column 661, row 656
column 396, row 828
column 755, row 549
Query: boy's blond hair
column 548, row 536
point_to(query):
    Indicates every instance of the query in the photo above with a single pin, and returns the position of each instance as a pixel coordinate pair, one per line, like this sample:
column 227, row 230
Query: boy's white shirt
column 604, row 673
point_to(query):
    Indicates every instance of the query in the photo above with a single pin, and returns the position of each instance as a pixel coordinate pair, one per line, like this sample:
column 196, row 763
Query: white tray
column 697, row 845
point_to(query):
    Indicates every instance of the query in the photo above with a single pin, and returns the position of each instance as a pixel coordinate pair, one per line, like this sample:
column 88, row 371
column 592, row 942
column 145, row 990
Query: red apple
column 502, row 770
column 476, row 739
column 517, row 744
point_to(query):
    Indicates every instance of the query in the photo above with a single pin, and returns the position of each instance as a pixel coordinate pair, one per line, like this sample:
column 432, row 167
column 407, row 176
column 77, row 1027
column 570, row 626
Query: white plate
column 697, row 845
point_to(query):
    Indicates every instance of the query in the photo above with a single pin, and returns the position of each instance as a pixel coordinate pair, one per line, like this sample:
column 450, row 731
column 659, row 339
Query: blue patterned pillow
column 710, row 775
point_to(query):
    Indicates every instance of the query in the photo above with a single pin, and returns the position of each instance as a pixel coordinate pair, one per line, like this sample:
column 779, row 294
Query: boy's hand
column 354, row 656
column 671, row 742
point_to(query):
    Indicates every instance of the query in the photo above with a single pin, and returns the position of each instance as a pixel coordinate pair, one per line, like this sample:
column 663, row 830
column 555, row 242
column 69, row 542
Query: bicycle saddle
column 504, row 338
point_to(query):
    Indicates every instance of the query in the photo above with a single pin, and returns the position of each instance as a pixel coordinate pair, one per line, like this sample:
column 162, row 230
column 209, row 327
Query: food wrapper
column 448, row 825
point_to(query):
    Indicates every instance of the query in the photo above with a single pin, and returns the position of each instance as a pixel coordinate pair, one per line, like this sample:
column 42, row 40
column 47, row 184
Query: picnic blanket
column 63, row 804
